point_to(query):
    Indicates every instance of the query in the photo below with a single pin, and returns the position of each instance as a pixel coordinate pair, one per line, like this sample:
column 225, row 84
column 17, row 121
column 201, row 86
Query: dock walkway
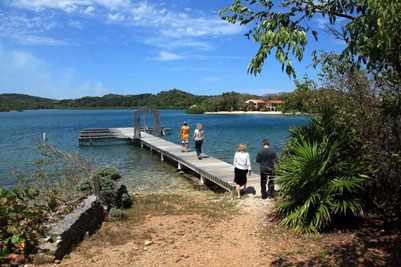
column 208, row 168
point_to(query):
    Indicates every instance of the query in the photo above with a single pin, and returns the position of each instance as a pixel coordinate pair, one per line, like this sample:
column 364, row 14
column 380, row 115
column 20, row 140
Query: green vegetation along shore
column 172, row 99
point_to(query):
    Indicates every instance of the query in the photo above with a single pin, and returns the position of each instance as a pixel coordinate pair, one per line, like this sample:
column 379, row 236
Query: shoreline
column 257, row 113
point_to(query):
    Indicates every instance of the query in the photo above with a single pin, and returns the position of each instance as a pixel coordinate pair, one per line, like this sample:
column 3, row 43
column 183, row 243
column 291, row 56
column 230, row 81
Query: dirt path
column 186, row 240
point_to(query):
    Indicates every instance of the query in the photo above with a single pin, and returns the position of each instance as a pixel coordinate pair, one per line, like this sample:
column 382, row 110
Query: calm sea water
column 142, row 171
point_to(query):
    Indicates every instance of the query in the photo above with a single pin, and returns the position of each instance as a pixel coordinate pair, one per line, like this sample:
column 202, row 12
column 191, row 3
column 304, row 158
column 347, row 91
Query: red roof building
column 256, row 104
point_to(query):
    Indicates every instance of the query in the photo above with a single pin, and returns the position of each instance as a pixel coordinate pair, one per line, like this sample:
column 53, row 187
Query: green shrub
column 195, row 109
column 316, row 182
column 110, row 193
column 85, row 185
column 108, row 171
column 116, row 213
column 20, row 222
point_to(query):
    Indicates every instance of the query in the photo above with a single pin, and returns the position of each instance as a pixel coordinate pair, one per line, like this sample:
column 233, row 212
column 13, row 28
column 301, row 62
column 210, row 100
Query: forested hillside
column 172, row 99
column 20, row 102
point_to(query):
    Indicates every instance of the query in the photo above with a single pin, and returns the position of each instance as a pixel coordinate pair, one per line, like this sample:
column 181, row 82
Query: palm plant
column 317, row 180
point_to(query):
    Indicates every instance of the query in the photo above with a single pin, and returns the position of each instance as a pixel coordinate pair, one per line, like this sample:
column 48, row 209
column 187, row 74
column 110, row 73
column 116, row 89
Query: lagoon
column 142, row 171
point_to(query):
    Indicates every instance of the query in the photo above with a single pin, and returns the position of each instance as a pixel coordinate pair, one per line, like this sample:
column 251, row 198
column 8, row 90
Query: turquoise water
column 142, row 171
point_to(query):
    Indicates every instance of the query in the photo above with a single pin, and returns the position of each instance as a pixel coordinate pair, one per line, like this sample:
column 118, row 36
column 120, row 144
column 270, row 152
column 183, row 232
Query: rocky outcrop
column 83, row 220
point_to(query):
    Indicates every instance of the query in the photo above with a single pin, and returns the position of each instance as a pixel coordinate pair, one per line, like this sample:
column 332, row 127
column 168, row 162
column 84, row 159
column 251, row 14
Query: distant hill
column 172, row 99
column 21, row 102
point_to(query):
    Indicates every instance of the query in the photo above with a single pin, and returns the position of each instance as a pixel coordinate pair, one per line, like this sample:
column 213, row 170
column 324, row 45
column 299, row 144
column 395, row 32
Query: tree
column 371, row 30
column 302, row 98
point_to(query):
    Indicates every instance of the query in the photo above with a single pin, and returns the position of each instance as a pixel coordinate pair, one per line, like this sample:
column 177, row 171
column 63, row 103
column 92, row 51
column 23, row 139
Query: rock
column 42, row 258
column 148, row 242
column 57, row 261
column 148, row 216
column 16, row 259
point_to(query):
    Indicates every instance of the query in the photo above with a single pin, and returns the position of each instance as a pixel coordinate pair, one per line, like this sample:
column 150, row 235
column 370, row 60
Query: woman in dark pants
column 199, row 137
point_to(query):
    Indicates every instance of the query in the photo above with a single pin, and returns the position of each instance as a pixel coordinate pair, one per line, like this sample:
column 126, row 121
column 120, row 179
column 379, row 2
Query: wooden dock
column 209, row 168
column 104, row 134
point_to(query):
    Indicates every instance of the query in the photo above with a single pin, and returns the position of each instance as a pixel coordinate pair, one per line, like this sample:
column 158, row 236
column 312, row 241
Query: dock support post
column 202, row 180
column 90, row 139
column 141, row 145
column 44, row 138
column 144, row 122
column 161, row 156
column 179, row 166
column 151, row 150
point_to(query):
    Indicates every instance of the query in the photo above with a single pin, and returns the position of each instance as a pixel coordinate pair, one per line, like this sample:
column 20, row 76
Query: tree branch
column 320, row 9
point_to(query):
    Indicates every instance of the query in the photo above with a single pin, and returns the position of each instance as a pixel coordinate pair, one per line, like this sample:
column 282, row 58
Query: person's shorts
column 184, row 142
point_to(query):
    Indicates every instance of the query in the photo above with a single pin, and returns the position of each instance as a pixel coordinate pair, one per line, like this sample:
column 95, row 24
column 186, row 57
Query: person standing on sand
column 199, row 137
column 267, row 158
column 184, row 136
column 242, row 166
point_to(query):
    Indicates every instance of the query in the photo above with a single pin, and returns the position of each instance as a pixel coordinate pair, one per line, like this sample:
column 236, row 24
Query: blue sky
column 74, row 48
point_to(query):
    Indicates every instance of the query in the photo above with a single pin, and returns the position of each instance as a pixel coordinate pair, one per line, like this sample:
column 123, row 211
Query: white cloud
column 76, row 24
column 116, row 17
column 177, row 43
column 68, row 5
column 89, row 10
column 28, row 30
column 159, row 22
column 166, row 56
column 22, row 72
column 322, row 23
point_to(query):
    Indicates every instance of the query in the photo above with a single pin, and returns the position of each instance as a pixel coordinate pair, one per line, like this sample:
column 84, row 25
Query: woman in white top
column 242, row 166
column 199, row 137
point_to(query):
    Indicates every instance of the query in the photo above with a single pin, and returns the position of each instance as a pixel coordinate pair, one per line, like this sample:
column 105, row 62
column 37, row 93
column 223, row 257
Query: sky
column 66, row 49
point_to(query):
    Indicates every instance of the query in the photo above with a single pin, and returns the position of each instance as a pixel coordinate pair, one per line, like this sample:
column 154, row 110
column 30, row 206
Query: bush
column 370, row 107
column 110, row 193
column 316, row 182
column 196, row 109
column 117, row 214
column 20, row 222
column 54, row 177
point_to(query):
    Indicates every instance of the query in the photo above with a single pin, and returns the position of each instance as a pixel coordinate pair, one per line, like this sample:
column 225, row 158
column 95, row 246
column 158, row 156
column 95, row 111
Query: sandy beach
column 257, row 113
column 247, row 112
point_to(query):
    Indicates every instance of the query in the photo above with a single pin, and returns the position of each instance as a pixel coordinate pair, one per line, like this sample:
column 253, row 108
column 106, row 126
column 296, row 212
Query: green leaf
column 16, row 239
column 3, row 201
column 12, row 229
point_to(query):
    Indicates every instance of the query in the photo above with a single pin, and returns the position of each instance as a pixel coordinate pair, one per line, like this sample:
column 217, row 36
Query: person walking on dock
column 184, row 136
column 267, row 158
column 199, row 137
column 242, row 166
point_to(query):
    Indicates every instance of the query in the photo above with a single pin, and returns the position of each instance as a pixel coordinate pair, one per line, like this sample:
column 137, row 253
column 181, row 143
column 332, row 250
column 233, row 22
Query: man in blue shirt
column 267, row 158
